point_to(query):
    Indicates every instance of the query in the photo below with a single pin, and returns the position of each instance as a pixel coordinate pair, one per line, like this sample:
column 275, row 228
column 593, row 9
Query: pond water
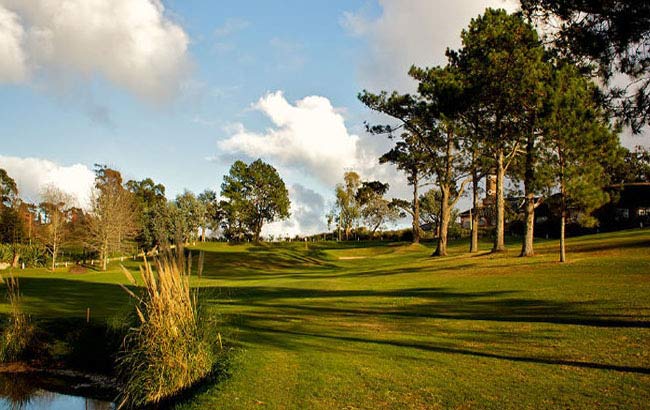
column 30, row 391
column 43, row 399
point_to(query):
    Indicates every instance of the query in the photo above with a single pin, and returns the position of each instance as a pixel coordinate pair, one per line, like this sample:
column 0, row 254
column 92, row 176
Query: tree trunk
column 104, row 255
column 562, row 246
column 416, row 211
column 53, row 257
column 562, row 209
column 445, row 215
column 499, row 241
column 529, row 210
column 201, row 261
column 529, row 214
column 474, row 220
column 203, row 228
column 372, row 234
column 16, row 259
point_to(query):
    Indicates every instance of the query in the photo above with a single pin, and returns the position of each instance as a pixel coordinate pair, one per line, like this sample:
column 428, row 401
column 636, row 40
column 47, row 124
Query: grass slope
column 384, row 326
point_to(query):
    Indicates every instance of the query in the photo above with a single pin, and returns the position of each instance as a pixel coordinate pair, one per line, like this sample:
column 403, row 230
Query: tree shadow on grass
column 435, row 348
column 431, row 303
column 607, row 246
column 289, row 318
column 56, row 297
column 263, row 262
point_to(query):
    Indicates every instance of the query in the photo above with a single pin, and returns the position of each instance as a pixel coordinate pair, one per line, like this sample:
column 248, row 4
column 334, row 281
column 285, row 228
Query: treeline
column 506, row 105
column 125, row 218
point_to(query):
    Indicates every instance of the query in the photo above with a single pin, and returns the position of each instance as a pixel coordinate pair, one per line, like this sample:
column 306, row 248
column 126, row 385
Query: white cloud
column 307, row 214
column 309, row 135
column 410, row 32
column 32, row 175
column 131, row 43
column 13, row 67
column 310, row 143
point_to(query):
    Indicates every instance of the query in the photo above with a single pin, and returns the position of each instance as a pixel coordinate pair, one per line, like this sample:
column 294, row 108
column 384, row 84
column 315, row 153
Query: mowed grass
column 385, row 326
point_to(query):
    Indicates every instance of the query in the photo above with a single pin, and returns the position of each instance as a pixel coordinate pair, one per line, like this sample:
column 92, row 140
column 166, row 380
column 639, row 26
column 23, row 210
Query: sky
column 176, row 90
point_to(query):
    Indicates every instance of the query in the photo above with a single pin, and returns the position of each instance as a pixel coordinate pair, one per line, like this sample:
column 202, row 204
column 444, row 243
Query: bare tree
column 113, row 217
column 55, row 206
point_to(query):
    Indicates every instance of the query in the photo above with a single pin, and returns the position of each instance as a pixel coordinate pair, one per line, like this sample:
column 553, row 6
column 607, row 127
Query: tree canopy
column 611, row 35
column 255, row 194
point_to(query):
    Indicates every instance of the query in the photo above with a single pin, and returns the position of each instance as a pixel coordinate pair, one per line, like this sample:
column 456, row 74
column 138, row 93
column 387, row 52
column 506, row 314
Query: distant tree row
column 136, row 215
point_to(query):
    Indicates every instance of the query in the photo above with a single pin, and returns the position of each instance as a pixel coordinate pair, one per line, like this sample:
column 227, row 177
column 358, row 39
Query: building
column 629, row 207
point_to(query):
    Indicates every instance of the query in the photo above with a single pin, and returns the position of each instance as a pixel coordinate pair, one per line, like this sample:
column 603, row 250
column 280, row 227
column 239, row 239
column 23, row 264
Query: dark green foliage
column 8, row 188
column 211, row 213
column 612, row 34
column 11, row 225
column 409, row 155
column 150, row 199
column 501, row 63
column 580, row 144
column 430, row 136
column 255, row 195
column 370, row 189
column 11, row 229
column 187, row 216
column 31, row 255
column 632, row 166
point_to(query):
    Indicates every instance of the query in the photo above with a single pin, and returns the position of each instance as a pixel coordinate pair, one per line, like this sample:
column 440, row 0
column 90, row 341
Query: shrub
column 6, row 253
column 18, row 332
column 31, row 255
column 169, row 350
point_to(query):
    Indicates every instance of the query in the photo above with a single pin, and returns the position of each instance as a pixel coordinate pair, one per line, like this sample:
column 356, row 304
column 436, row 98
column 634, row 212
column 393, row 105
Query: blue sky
column 177, row 90
column 170, row 141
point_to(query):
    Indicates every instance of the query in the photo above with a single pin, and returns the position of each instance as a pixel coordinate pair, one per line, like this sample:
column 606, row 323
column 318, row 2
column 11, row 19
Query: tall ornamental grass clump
column 18, row 331
column 170, row 348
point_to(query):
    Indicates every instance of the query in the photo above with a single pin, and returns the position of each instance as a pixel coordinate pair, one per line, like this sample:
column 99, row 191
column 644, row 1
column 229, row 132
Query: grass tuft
column 18, row 332
column 170, row 349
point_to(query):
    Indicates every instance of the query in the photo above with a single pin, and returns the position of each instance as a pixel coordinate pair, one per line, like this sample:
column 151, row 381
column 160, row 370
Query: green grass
column 385, row 326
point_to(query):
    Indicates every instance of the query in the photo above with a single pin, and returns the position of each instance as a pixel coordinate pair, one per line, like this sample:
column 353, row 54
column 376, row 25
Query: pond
column 36, row 391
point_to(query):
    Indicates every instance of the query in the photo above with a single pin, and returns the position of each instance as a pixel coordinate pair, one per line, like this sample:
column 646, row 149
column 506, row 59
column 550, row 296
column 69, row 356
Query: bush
column 6, row 253
column 170, row 349
column 31, row 255
column 18, row 331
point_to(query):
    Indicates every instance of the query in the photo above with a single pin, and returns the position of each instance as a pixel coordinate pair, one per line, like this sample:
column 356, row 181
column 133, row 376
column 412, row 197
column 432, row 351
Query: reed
column 170, row 348
column 18, row 331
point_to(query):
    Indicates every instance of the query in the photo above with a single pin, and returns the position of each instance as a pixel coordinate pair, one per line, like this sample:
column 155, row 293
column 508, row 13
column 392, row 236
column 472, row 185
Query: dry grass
column 18, row 331
column 170, row 349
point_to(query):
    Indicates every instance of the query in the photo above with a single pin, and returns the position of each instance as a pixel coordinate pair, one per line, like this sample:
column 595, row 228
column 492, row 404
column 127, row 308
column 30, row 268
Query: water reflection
column 23, row 391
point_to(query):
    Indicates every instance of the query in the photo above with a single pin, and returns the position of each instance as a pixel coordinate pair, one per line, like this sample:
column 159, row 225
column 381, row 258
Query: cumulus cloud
column 410, row 32
column 307, row 214
column 13, row 68
column 131, row 43
column 310, row 135
column 32, row 175
column 309, row 141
